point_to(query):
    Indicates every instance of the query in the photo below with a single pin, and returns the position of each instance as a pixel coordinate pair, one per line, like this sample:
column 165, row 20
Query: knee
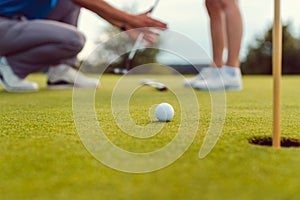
column 228, row 3
column 76, row 41
column 213, row 6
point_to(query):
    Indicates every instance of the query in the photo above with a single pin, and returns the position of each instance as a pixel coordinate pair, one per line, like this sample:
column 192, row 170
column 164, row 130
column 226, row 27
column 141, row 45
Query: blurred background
column 190, row 18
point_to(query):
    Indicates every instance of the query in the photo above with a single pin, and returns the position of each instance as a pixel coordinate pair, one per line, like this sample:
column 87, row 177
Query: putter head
column 159, row 86
column 162, row 88
column 118, row 71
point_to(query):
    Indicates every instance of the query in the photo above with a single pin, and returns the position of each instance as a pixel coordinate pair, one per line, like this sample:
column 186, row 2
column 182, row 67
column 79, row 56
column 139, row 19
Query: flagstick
column 277, row 71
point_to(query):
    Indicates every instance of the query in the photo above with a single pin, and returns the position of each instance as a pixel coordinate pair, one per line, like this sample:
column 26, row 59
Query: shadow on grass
column 267, row 141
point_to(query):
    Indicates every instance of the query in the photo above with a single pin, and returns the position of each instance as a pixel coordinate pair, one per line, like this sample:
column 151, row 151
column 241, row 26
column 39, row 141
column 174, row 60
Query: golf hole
column 267, row 141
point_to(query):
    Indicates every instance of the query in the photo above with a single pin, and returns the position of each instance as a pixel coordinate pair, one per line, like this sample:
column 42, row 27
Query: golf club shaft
column 140, row 38
column 277, row 71
column 136, row 45
column 153, row 7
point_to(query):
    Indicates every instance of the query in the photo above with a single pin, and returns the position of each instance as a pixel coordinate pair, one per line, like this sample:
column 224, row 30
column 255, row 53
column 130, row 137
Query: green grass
column 42, row 157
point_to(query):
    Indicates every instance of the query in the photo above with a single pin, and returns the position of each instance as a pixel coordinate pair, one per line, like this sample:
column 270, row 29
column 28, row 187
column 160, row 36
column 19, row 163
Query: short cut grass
column 42, row 157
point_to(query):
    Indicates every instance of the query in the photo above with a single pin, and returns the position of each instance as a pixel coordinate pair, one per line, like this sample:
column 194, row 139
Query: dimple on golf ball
column 164, row 112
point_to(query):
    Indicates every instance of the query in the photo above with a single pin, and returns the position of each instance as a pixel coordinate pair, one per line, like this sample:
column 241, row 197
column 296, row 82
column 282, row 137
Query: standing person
column 37, row 34
column 226, row 28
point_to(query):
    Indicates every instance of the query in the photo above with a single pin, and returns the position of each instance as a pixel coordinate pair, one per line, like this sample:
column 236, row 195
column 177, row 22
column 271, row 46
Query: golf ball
column 164, row 112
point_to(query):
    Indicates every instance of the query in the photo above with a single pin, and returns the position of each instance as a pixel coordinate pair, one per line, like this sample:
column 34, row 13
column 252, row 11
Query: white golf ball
column 164, row 112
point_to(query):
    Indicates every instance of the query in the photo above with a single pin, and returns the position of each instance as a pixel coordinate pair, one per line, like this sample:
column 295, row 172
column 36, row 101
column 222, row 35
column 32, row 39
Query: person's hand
column 144, row 20
column 120, row 18
column 149, row 38
column 140, row 24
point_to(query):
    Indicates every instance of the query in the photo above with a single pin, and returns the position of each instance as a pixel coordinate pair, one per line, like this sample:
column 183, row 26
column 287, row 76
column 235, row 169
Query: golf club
column 138, row 42
column 134, row 49
column 159, row 86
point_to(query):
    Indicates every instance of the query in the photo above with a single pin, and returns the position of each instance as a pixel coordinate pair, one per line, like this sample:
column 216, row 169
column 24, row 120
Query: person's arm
column 118, row 17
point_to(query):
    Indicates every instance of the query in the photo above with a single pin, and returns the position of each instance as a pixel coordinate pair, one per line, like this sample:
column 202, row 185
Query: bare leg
column 234, row 30
column 226, row 28
column 214, row 9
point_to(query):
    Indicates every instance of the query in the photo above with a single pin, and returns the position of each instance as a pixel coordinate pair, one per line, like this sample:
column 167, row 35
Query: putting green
column 42, row 156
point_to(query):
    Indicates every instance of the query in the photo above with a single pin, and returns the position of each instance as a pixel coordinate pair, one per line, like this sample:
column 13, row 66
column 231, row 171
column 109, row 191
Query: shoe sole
column 227, row 88
column 60, row 87
column 64, row 87
column 188, row 83
column 16, row 90
column 234, row 88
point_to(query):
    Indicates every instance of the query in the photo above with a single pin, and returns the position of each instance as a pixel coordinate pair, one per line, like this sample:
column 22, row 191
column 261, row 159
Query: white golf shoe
column 11, row 82
column 63, row 76
column 226, row 78
column 204, row 73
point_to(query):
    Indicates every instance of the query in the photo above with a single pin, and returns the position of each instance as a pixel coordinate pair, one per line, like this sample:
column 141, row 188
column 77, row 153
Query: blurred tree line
column 259, row 57
column 142, row 56
column 110, row 52
column 257, row 61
